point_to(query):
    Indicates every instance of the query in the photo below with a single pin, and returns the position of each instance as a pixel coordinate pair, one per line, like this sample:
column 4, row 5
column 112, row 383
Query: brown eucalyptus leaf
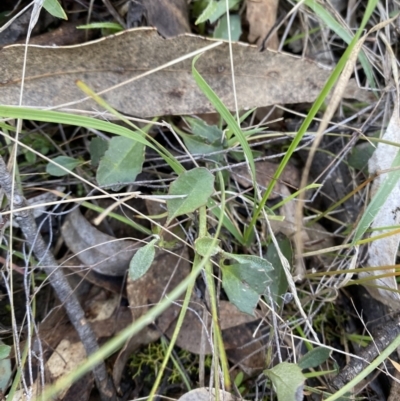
column 97, row 250
column 262, row 79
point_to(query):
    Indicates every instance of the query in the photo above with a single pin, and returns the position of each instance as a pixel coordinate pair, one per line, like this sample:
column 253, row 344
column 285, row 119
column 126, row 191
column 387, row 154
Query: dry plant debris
column 198, row 193
column 127, row 60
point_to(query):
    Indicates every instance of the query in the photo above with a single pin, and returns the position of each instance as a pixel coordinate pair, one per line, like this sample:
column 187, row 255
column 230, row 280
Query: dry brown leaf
column 262, row 79
column 170, row 17
column 95, row 249
column 261, row 15
column 237, row 334
column 265, row 170
column 166, row 272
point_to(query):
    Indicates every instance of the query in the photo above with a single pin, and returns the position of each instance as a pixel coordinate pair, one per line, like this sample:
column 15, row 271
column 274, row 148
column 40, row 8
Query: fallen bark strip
column 57, row 280
column 382, row 338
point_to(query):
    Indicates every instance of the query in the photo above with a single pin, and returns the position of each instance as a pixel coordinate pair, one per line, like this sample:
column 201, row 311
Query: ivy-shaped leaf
column 207, row 12
column 98, row 147
column 210, row 133
column 288, row 381
column 142, row 260
column 121, row 163
column 245, row 281
column 54, row 8
column 68, row 162
column 278, row 275
column 4, row 350
column 314, row 358
column 255, row 261
column 238, row 292
column 196, row 186
column 202, row 246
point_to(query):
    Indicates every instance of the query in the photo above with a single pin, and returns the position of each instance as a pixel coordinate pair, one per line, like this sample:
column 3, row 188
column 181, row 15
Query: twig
column 58, row 281
column 382, row 338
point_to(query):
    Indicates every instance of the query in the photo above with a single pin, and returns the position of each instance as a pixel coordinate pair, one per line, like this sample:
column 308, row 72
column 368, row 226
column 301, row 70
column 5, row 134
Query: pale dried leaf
column 383, row 252
column 205, row 394
column 262, row 79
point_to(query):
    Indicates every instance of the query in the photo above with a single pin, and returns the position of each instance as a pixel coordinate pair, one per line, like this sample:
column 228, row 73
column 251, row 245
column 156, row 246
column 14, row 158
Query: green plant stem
column 369, row 369
column 177, row 329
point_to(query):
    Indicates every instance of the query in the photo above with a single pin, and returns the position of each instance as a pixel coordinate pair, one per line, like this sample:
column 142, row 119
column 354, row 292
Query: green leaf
column 207, row 12
column 121, row 163
column 343, row 33
column 257, row 263
column 97, row 148
column 238, row 292
column 197, row 185
column 113, row 26
column 142, row 260
column 221, row 31
column 202, row 246
column 65, row 161
column 246, row 281
column 278, row 275
column 197, row 146
column 221, row 9
column 210, row 133
column 5, row 366
column 252, row 276
column 379, row 199
column 314, row 358
column 5, row 374
column 89, row 122
column 360, row 155
column 227, row 116
column 54, row 8
column 4, row 351
column 288, row 381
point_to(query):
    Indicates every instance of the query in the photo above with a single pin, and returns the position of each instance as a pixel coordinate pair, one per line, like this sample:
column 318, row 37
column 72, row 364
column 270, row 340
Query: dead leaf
column 262, row 79
column 383, row 252
column 237, row 333
column 166, row 272
column 265, row 170
column 205, row 394
column 320, row 238
column 170, row 17
column 97, row 250
column 261, row 15
column 189, row 337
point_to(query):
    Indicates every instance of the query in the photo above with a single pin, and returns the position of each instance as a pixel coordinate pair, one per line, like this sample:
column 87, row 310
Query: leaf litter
column 126, row 60
column 139, row 294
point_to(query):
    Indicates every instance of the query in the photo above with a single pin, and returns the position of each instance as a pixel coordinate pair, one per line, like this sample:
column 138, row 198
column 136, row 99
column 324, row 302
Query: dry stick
column 58, row 281
column 382, row 338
